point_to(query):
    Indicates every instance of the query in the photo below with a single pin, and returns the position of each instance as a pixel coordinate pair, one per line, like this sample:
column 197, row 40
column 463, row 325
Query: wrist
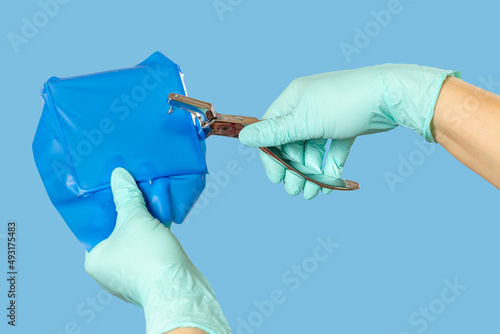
column 411, row 103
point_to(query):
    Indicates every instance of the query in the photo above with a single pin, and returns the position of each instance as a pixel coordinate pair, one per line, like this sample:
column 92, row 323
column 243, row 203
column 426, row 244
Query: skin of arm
column 466, row 123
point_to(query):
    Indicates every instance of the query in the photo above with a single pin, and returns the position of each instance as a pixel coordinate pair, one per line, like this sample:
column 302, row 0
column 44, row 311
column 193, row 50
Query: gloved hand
column 143, row 263
column 341, row 106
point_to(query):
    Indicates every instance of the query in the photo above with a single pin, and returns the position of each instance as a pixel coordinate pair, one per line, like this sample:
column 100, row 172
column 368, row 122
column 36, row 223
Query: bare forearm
column 467, row 124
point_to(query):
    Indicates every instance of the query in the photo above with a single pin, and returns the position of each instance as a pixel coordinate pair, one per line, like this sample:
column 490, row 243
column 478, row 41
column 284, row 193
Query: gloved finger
column 309, row 153
column 293, row 183
column 128, row 198
column 314, row 152
column 282, row 106
column 336, row 158
column 310, row 190
column 326, row 191
column 284, row 129
column 274, row 170
column 273, row 131
column 294, row 151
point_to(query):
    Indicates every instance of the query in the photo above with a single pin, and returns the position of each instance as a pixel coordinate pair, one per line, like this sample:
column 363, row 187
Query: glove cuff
column 426, row 131
column 182, row 297
column 411, row 93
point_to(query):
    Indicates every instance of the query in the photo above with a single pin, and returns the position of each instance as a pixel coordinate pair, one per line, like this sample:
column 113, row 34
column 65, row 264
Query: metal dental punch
column 214, row 123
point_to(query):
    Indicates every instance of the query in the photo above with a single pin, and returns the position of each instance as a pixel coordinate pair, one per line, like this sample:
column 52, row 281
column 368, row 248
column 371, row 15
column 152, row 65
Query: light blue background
column 396, row 247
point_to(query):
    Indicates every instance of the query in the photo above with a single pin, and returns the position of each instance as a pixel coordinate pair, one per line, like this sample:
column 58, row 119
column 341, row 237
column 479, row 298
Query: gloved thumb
column 128, row 198
column 273, row 131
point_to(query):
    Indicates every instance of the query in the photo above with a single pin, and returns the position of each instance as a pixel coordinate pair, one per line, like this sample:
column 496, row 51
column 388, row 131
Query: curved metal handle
column 301, row 170
column 230, row 126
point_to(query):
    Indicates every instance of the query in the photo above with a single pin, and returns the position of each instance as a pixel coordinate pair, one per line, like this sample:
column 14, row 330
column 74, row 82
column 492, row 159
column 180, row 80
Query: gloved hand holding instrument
column 214, row 123
column 341, row 106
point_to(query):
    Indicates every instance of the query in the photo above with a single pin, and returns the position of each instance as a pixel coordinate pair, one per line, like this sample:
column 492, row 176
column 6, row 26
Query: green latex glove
column 341, row 106
column 143, row 263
